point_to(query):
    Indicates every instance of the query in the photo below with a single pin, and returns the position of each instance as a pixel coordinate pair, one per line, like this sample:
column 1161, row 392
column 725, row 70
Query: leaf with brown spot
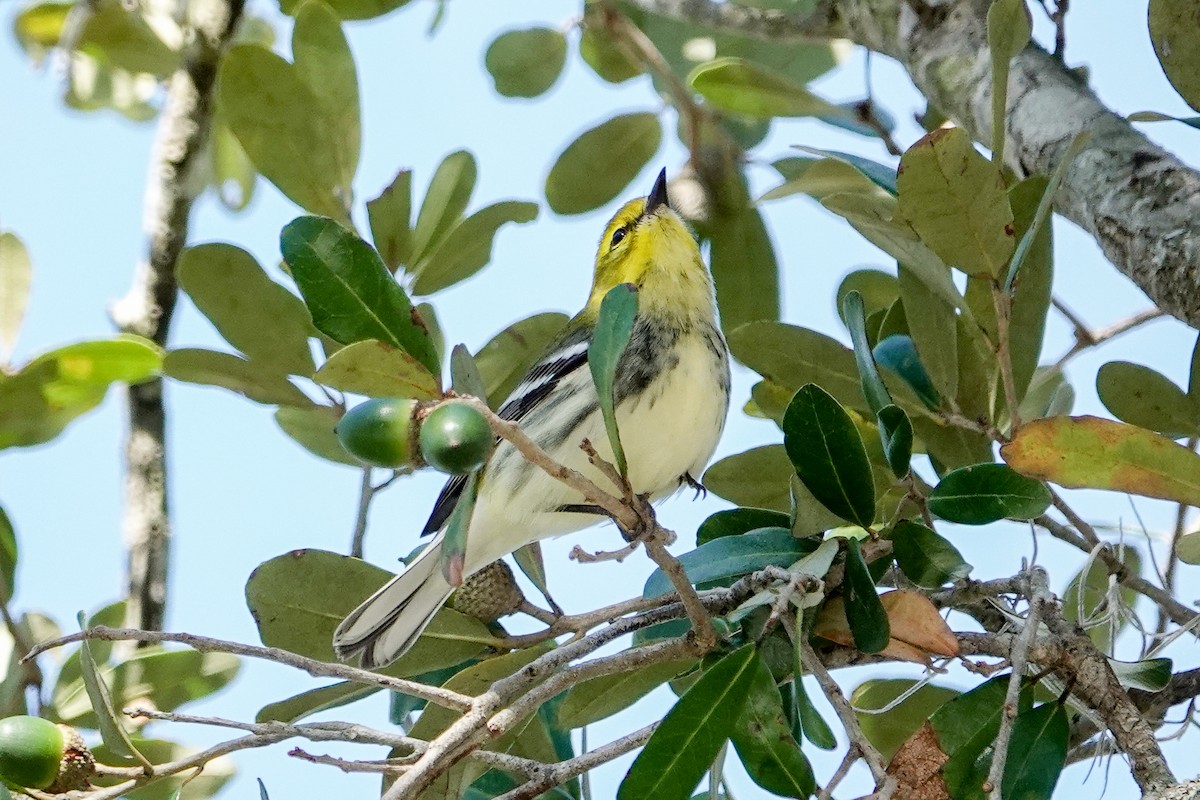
column 1093, row 453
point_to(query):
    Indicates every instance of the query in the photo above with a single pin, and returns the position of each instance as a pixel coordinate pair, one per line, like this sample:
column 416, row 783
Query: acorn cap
column 489, row 594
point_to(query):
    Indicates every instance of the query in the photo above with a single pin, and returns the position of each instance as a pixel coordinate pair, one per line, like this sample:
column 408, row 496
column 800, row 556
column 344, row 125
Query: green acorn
column 379, row 432
column 37, row 754
column 456, row 438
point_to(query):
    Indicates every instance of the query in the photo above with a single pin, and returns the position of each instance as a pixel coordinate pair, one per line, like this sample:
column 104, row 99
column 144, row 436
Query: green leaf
column 968, row 723
column 529, row 559
column 165, row 680
column 827, row 451
column 881, row 175
column 1031, row 293
column 280, row 122
column 744, row 268
column 1188, row 548
column 1043, row 208
column 926, row 558
column 864, row 611
column 814, row 726
column 1149, row 675
column 390, row 216
column 39, row 27
column 764, row 742
column 736, row 521
column 879, row 291
column 872, row 385
column 211, row 368
column 1037, row 752
column 445, row 201
column 324, row 64
column 1092, row 596
column 818, row 178
column 505, row 359
column 1172, row 25
column 290, row 615
column 8, row 557
column 314, row 429
column 683, row 746
column 16, row 274
column 122, row 39
column 526, row 63
column 1009, row 27
column 464, row 374
column 618, row 310
column 454, row 542
column 254, row 313
column 890, row 729
column 601, row 697
column 467, row 247
column 602, row 162
column 208, row 783
column 350, row 9
column 40, row 400
column 758, row 477
column 742, row 87
column 898, row 353
column 896, row 434
column 1146, row 398
column 792, row 356
column 984, row 493
column 234, row 177
column 377, row 369
column 604, row 50
column 305, row 704
column 933, row 370
column 1078, row 452
column 955, row 200
column 114, row 735
column 734, row 555
column 349, row 291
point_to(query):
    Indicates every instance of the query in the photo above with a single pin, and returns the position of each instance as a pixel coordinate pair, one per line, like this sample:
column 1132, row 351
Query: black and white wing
column 562, row 359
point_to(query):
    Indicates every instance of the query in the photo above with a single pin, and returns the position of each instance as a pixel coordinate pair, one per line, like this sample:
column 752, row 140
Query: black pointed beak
column 658, row 195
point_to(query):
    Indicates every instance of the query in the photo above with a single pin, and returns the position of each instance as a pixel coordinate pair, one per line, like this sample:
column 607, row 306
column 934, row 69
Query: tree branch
column 147, row 309
column 1140, row 203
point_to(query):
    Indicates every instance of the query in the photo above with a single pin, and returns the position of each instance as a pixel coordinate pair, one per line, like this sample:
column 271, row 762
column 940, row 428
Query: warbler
column 671, row 393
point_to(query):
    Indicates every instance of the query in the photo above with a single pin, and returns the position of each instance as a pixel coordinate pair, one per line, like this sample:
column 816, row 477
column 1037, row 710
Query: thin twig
column 1038, row 593
column 558, row 774
column 318, row 669
column 1086, row 338
column 366, row 492
column 1168, row 575
column 849, row 760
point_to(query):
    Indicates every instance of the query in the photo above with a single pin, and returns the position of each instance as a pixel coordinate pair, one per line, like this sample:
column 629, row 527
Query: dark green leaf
column 526, row 63
column 115, row 736
column 1146, row 398
column 889, row 730
column 290, row 615
column 758, row 477
column 601, row 697
column 827, row 451
column 1149, row 675
column 349, row 291
column 8, row 557
column 926, row 558
column 984, row 493
column 1171, row 25
column 511, row 353
column 864, row 611
column 681, row 749
column 896, row 433
column 743, row 87
column 764, row 741
column 618, row 310
column 529, row 559
column 1031, row 292
column 1037, row 753
column 601, row 162
column 814, row 726
column 467, row 247
column 390, row 216
column 734, row 555
column 928, row 361
column 736, row 521
column 377, row 369
column 305, row 704
column 872, row 385
column 454, row 542
column 445, row 201
column 968, row 723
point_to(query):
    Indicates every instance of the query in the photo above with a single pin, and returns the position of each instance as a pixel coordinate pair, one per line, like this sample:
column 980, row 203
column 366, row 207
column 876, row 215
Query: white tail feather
column 388, row 622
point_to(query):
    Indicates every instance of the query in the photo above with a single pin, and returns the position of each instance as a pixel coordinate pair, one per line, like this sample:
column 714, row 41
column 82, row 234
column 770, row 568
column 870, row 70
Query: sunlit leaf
column 602, row 162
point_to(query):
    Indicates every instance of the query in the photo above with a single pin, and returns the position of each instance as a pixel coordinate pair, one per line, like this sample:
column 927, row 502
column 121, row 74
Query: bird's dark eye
column 617, row 236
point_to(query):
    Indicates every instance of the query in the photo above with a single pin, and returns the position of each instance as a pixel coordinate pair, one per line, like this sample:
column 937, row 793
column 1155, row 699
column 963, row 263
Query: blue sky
column 242, row 492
